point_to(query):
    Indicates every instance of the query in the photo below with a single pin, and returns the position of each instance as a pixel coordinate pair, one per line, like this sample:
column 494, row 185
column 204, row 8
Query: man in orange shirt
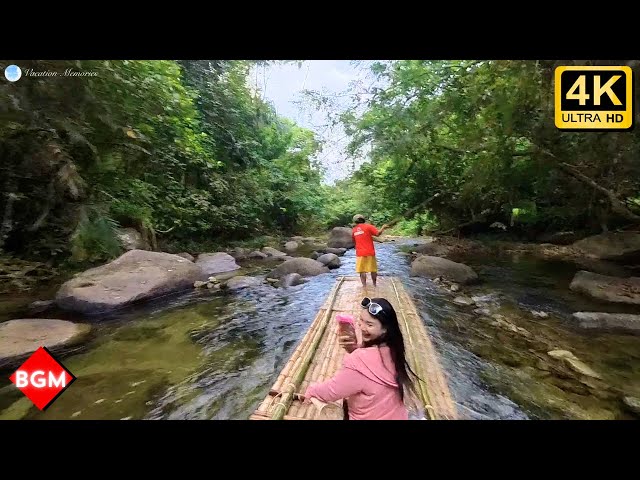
column 362, row 234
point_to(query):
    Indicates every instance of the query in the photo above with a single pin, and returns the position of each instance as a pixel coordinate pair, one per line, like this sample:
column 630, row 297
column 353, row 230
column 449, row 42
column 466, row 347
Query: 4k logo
column 594, row 98
column 42, row 378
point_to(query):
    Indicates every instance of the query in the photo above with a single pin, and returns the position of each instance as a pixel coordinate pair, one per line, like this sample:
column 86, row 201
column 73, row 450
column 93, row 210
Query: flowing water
column 214, row 355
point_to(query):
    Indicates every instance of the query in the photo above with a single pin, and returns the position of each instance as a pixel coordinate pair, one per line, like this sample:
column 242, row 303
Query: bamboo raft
column 318, row 356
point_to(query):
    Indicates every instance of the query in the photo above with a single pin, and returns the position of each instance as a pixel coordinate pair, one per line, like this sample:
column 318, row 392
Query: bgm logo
column 594, row 98
column 42, row 378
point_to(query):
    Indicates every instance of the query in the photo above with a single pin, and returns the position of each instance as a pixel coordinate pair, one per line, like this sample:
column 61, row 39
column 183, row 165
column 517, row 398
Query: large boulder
column 20, row 338
column 340, row 238
column 432, row 267
column 134, row 276
column 617, row 246
column 306, row 267
column 609, row 289
column 219, row 262
column 614, row 322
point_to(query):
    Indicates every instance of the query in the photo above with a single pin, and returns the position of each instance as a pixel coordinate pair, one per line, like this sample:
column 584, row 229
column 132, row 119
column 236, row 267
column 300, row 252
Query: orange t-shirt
column 362, row 234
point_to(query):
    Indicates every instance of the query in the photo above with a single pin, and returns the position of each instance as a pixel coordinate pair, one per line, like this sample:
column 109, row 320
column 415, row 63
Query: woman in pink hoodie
column 374, row 378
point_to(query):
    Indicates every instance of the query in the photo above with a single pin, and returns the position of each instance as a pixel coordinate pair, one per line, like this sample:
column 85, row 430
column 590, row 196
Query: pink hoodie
column 367, row 380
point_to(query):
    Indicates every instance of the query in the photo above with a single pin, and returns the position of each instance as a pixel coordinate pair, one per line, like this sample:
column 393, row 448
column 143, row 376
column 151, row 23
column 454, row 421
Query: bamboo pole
column 435, row 382
column 296, row 353
column 314, row 371
column 431, row 376
column 299, row 372
column 421, row 386
column 328, row 357
column 294, row 409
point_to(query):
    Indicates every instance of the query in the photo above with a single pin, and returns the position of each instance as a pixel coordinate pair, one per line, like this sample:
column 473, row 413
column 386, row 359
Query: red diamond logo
column 42, row 378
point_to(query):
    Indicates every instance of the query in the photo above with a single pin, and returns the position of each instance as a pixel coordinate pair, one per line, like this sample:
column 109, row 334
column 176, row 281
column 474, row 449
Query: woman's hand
column 306, row 398
column 348, row 343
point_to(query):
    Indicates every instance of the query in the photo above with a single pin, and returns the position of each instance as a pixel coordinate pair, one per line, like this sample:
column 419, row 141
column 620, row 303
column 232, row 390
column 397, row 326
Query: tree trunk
column 617, row 206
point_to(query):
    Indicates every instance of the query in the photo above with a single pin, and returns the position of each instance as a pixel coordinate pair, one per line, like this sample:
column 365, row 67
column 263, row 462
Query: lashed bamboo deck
column 318, row 356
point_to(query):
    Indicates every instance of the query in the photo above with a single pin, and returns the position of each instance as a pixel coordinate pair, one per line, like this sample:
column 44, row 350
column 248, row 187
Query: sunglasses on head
column 373, row 308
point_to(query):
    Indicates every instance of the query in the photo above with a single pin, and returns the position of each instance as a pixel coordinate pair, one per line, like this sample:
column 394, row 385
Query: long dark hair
column 393, row 338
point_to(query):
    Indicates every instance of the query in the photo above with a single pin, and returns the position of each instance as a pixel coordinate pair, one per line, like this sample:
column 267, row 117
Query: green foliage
column 420, row 224
column 482, row 135
column 525, row 212
column 189, row 150
column 95, row 238
column 183, row 148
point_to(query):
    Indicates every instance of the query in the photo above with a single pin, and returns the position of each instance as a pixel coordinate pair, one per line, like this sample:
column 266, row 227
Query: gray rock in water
column 134, row 276
column 434, row 249
column 340, row 238
column 303, row 266
column 430, row 267
column 462, row 300
column 572, row 361
column 617, row 246
column 614, row 322
column 219, row 262
column 610, row 289
column 240, row 282
column 20, row 338
column 291, row 280
column 336, row 251
column 331, row 260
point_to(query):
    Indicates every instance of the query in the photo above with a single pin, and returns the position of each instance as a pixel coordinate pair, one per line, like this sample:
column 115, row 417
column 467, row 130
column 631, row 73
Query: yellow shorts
column 366, row 264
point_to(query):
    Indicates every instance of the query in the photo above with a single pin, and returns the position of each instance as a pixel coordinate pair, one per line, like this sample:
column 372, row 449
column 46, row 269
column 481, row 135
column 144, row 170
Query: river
column 205, row 355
